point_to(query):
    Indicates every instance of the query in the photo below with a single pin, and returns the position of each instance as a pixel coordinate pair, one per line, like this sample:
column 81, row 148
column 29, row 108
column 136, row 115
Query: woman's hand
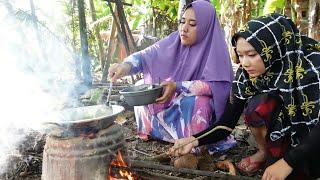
column 118, row 70
column 169, row 90
column 277, row 171
column 190, row 142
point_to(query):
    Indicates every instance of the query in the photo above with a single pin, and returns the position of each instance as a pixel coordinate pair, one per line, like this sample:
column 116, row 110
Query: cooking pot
column 82, row 120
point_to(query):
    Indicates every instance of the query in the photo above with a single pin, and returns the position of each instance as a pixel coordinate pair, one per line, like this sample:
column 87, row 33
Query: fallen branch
column 141, row 152
column 142, row 173
column 152, row 175
column 152, row 165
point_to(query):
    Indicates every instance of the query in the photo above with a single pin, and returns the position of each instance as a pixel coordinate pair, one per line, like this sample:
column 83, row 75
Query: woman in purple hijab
column 195, row 69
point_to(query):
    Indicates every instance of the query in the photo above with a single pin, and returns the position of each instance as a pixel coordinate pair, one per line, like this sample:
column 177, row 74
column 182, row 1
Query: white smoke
column 37, row 71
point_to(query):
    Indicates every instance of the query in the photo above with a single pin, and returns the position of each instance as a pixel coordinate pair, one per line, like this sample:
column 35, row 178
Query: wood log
column 152, row 165
column 151, row 175
column 144, row 174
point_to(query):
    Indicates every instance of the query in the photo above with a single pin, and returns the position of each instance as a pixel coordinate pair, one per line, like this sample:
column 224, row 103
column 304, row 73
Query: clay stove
column 83, row 149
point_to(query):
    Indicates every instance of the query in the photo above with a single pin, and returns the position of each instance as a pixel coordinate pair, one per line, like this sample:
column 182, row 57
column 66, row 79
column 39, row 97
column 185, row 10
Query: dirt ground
column 138, row 149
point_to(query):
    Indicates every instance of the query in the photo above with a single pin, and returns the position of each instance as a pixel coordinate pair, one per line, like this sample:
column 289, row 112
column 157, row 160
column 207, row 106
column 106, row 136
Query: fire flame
column 124, row 172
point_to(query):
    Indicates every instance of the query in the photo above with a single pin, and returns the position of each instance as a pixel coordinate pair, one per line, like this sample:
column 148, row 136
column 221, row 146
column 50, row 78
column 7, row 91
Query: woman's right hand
column 178, row 150
column 118, row 70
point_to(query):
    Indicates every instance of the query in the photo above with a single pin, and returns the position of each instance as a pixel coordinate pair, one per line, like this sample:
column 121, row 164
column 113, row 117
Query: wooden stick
column 141, row 152
column 203, row 135
column 151, row 165
column 153, row 175
column 141, row 172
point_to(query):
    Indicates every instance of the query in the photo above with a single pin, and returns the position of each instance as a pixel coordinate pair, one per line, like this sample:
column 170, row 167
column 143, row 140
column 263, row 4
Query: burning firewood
column 123, row 171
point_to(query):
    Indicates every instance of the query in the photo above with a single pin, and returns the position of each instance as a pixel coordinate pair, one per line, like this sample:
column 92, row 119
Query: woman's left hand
column 277, row 171
column 169, row 90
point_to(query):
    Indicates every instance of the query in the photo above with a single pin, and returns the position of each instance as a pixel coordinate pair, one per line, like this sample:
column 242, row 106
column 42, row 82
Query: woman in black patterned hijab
column 278, row 84
column 291, row 64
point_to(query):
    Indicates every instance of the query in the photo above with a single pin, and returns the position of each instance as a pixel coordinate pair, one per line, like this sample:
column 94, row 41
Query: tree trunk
column 76, row 57
column 246, row 11
column 231, row 18
column 293, row 11
column 102, row 56
column 126, row 29
column 258, row 8
column 36, row 31
column 287, row 8
column 154, row 23
column 120, row 26
column 111, row 48
column 33, row 14
column 86, row 67
column 314, row 19
column 182, row 3
column 299, row 15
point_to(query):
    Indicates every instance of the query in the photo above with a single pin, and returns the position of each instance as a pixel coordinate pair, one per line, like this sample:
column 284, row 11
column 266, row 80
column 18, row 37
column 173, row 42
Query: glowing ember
column 124, row 172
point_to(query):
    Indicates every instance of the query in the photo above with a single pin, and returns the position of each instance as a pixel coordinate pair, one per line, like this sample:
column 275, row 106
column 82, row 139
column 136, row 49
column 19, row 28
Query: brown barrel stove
column 83, row 149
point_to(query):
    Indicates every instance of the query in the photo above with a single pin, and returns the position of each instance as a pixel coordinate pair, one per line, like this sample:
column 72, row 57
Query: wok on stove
column 82, row 120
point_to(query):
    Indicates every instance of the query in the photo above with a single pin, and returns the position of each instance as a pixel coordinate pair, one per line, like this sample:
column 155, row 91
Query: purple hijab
column 207, row 59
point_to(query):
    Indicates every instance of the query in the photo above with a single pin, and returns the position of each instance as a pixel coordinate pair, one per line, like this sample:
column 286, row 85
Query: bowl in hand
column 142, row 94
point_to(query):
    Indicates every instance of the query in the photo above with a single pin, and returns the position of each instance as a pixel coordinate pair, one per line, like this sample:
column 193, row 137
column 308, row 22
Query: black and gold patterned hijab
column 292, row 64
